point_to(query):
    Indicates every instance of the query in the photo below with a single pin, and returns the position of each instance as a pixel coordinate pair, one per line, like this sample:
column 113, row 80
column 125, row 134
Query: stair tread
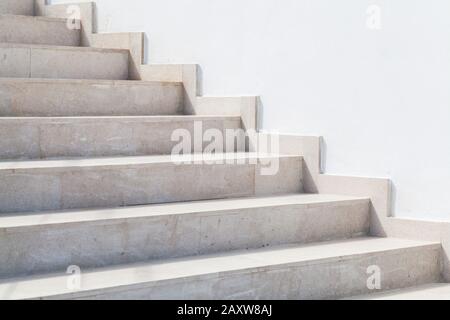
column 62, row 48
column 180, row 208
column 151, row 273
column 435, row 291
column 136, row 160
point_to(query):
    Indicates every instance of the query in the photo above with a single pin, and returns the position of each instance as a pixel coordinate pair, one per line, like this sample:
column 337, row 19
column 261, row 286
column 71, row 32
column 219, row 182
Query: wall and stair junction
column 87, row 179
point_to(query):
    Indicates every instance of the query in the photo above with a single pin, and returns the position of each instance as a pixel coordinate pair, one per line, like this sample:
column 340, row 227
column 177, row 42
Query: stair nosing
column 121, row 214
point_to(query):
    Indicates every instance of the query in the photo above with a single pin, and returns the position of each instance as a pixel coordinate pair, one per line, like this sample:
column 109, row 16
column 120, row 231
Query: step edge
column 17, row 228
column 63, row 164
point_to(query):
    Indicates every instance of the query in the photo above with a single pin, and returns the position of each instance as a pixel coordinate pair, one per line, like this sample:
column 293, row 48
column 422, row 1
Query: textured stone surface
column 55, row 98
column 132, row 41
column 318, row 271
column 96, row 238
column 39, row 138
column 39, row 61
column 17, row 7
column 110, row 182
column 37, row 30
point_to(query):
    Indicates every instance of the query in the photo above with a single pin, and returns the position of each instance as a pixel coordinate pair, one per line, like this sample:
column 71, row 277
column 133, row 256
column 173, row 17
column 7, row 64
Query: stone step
column 135, row 234
column 57, row 137
column 112, row 182
column 37, row 30
column 327, row 270
column 19, row 7
column 60, row 62
column 59, row 98
column 435, row 291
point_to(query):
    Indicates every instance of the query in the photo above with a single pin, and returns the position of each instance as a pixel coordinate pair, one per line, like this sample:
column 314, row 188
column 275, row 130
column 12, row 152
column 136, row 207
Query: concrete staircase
column 87, row 179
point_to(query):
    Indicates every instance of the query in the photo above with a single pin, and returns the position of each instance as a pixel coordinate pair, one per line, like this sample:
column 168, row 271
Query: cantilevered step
column 37, row 30
column 59, row 98
column 40, row 138
column 316, row 271
column 435, row 291
column 111, row 182
column 103, row 237
column 19, row 7
column 59, row 62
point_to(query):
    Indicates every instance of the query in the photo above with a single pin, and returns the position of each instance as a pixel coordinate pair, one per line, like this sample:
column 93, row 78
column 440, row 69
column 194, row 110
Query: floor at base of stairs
column 435, row 291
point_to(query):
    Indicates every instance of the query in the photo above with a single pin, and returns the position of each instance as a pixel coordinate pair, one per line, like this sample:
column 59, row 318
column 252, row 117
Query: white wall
column 381, row 99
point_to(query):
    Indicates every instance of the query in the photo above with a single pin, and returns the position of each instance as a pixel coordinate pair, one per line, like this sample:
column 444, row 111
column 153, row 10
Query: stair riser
column 57, row 63
column 19, row 7
column 322, row 280
column 106, row 243
column 44, row 138
column 78, row 98
column 110, row 186
column 31, row 30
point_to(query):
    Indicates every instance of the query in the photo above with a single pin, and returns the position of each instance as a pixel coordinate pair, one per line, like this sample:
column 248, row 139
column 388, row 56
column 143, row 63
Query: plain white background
column 380, row 98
